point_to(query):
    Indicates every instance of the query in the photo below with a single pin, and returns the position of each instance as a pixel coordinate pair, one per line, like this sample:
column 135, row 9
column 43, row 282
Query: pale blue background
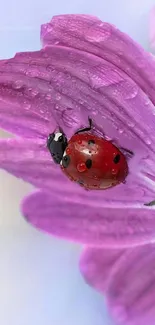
column 40, row 283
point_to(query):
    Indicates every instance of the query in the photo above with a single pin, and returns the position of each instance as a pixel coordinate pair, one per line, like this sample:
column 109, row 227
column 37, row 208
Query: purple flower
column 127, row 279
column 87, row 67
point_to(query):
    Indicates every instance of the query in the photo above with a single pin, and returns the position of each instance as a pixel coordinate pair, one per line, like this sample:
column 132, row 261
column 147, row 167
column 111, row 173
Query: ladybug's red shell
column 94, row 162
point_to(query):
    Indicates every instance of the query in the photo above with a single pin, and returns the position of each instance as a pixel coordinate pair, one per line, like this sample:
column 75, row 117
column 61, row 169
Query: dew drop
column 147, row 101
column 131, row 124
column 115, row 92
column 34, row 93
column 17, row 84
column 132, row 94
column 121, row 131
column 81, row 167
column 27, row 106
column 49, row 68
column 94, row 113
column 48, row 96
column 31, row 73
column 33, row 64
column 68, row 151
column 81, row 102
column 114, row 171
column 56, row 107
column 148, row 141
column 58, row 96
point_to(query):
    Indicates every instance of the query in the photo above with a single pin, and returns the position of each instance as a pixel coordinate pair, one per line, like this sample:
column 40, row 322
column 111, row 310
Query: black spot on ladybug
column 66, row 161
column 117, row 159
column 91, row 142
column 88, row 163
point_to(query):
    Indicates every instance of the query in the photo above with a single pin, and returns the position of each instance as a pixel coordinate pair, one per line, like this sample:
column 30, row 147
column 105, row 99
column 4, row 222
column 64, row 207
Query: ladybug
column 91, row 161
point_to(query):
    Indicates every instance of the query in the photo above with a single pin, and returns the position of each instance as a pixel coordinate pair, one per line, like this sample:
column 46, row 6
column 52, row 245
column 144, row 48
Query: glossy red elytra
column 91, row 161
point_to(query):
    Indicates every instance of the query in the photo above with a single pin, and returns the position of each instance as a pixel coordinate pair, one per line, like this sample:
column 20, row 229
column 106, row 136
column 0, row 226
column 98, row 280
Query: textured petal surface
column 114, row 84
column 28, row 159
column 131, row 291
column 56, row 214
column 97, row 264
column 92, row 35
column 152, row 28
column 79, row 84
column 23, row 123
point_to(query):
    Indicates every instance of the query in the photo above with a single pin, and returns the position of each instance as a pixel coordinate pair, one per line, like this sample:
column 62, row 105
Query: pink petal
column 92, row 35
column 97, row 264
column 131, row 291
column 58, row 215
column 81, row 84
column 23, row 123
column 152, row 28
column 88, row 85
column 29, row 159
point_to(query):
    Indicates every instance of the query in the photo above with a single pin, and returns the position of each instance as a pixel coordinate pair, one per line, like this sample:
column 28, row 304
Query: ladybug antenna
column 61, row 130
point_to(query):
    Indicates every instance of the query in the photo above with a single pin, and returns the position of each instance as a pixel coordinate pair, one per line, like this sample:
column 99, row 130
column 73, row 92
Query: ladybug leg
column 50, row 139
column 86, row 129
column 127, row 152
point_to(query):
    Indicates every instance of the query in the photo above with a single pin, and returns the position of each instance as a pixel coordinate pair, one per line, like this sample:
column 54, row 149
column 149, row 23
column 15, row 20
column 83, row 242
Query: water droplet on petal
column 48, row 96
column 131, row 124
column 120, row 131
column 57, row 107
column 27, row 106
column 132, row 93
column 34, row 92
column 58, row 96
column 147, row 101
column 33, row 64
column 148, row 141
column 94, row 112
column 17, row 84
column 49, row 68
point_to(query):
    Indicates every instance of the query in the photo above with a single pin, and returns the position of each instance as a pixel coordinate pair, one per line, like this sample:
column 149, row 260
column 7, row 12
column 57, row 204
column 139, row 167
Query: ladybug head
column 57, row 143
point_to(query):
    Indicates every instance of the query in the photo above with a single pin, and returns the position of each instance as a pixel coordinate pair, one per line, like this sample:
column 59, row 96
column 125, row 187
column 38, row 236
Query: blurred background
column 40, row 283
